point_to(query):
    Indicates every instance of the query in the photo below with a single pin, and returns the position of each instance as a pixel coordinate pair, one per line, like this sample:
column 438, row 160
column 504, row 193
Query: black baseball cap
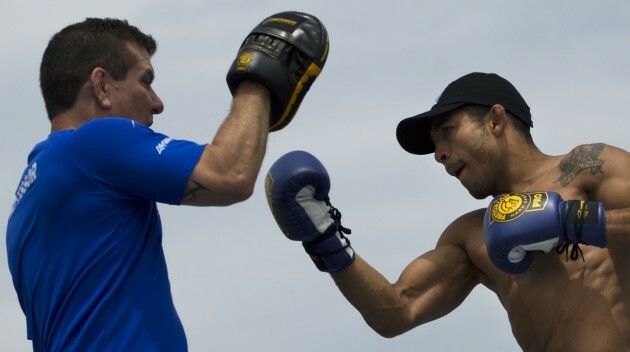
column 487, row 89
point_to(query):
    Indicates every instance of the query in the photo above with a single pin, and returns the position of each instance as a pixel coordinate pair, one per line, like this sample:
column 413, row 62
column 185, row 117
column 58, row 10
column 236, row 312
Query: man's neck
column 526, row 169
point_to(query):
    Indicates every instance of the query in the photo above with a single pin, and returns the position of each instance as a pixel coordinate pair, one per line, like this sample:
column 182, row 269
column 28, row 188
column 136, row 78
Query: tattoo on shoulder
column 581, row 158
column 191, row 191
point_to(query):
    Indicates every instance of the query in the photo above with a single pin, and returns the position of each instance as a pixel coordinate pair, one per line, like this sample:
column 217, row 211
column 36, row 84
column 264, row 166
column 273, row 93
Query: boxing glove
column 517, row 223
column 297, row 187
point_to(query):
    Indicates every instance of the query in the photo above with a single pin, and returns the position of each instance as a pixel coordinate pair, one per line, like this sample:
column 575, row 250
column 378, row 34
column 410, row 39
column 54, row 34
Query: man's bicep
column 437, row 282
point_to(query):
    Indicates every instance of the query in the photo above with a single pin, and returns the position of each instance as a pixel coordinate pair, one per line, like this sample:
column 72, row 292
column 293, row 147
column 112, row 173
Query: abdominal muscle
column 560, row 305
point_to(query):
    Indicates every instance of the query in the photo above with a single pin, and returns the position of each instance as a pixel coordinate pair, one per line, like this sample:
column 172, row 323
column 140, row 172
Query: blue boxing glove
column 297, row 187
column 517, row 223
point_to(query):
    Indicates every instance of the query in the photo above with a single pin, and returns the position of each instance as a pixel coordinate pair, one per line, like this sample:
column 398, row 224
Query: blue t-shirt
column 84, row 238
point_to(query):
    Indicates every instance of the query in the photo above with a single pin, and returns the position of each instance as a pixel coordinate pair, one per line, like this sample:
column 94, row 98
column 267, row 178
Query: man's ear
column 100, row 87
column 498, row 119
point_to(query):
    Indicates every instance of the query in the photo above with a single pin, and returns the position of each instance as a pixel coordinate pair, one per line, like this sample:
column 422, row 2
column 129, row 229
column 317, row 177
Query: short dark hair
column 76, row 50
column 478, row 112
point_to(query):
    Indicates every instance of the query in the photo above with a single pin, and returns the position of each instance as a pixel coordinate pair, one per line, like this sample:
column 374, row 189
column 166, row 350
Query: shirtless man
column 479, row 130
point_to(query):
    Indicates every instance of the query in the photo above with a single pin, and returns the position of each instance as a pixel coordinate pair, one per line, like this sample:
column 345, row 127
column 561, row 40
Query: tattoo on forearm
column 581, row 158
column 191, row 192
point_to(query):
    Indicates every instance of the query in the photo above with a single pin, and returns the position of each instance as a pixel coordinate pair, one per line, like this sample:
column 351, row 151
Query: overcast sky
column 238, row 284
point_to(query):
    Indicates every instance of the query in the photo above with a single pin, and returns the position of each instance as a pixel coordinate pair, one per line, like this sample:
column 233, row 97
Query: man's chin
column 477, row 194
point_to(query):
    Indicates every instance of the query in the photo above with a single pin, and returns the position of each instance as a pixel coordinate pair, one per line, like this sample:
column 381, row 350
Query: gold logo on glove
column 272, row 206
column 280, row 20
column 511, row 206
column 243, row 61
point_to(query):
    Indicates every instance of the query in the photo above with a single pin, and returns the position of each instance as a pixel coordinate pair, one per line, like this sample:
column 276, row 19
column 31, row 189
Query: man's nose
column 158, row 105
column 441, row 153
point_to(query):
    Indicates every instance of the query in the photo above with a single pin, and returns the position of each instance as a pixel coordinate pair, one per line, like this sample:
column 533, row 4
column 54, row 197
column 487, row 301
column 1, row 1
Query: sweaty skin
column 558, row 304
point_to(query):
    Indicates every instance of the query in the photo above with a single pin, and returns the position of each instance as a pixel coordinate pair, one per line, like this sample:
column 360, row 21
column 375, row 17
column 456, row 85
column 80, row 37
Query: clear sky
column 238, row 284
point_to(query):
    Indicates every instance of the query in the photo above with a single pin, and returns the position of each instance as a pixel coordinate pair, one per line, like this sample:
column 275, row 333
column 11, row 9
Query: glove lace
column 335, row 228
column 571, row 211
column 336, row 216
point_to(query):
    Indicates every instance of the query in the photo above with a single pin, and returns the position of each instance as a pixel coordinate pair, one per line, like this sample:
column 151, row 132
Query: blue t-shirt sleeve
column 134, row 160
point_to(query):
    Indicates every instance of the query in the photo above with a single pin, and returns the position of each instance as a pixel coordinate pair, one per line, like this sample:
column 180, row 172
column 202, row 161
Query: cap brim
column 414, row 133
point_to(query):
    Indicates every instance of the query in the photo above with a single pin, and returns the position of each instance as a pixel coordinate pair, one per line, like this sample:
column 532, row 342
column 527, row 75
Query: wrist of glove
column 331, row 252
column 583, row 222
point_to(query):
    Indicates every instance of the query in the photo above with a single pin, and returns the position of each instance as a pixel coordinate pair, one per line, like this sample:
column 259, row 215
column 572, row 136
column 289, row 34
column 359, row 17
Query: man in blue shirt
column 84, row 237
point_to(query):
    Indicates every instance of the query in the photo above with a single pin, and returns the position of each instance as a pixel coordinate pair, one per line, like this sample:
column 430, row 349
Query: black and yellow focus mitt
column 285, row 53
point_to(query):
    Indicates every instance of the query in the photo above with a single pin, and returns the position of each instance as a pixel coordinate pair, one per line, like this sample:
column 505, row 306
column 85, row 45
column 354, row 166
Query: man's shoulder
column 111, row 123
column 465, row 228
column 601, row 170
column 466, row 234
column 593, row 163
column 585, row 153
column 106, row 130
column 472, row 218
